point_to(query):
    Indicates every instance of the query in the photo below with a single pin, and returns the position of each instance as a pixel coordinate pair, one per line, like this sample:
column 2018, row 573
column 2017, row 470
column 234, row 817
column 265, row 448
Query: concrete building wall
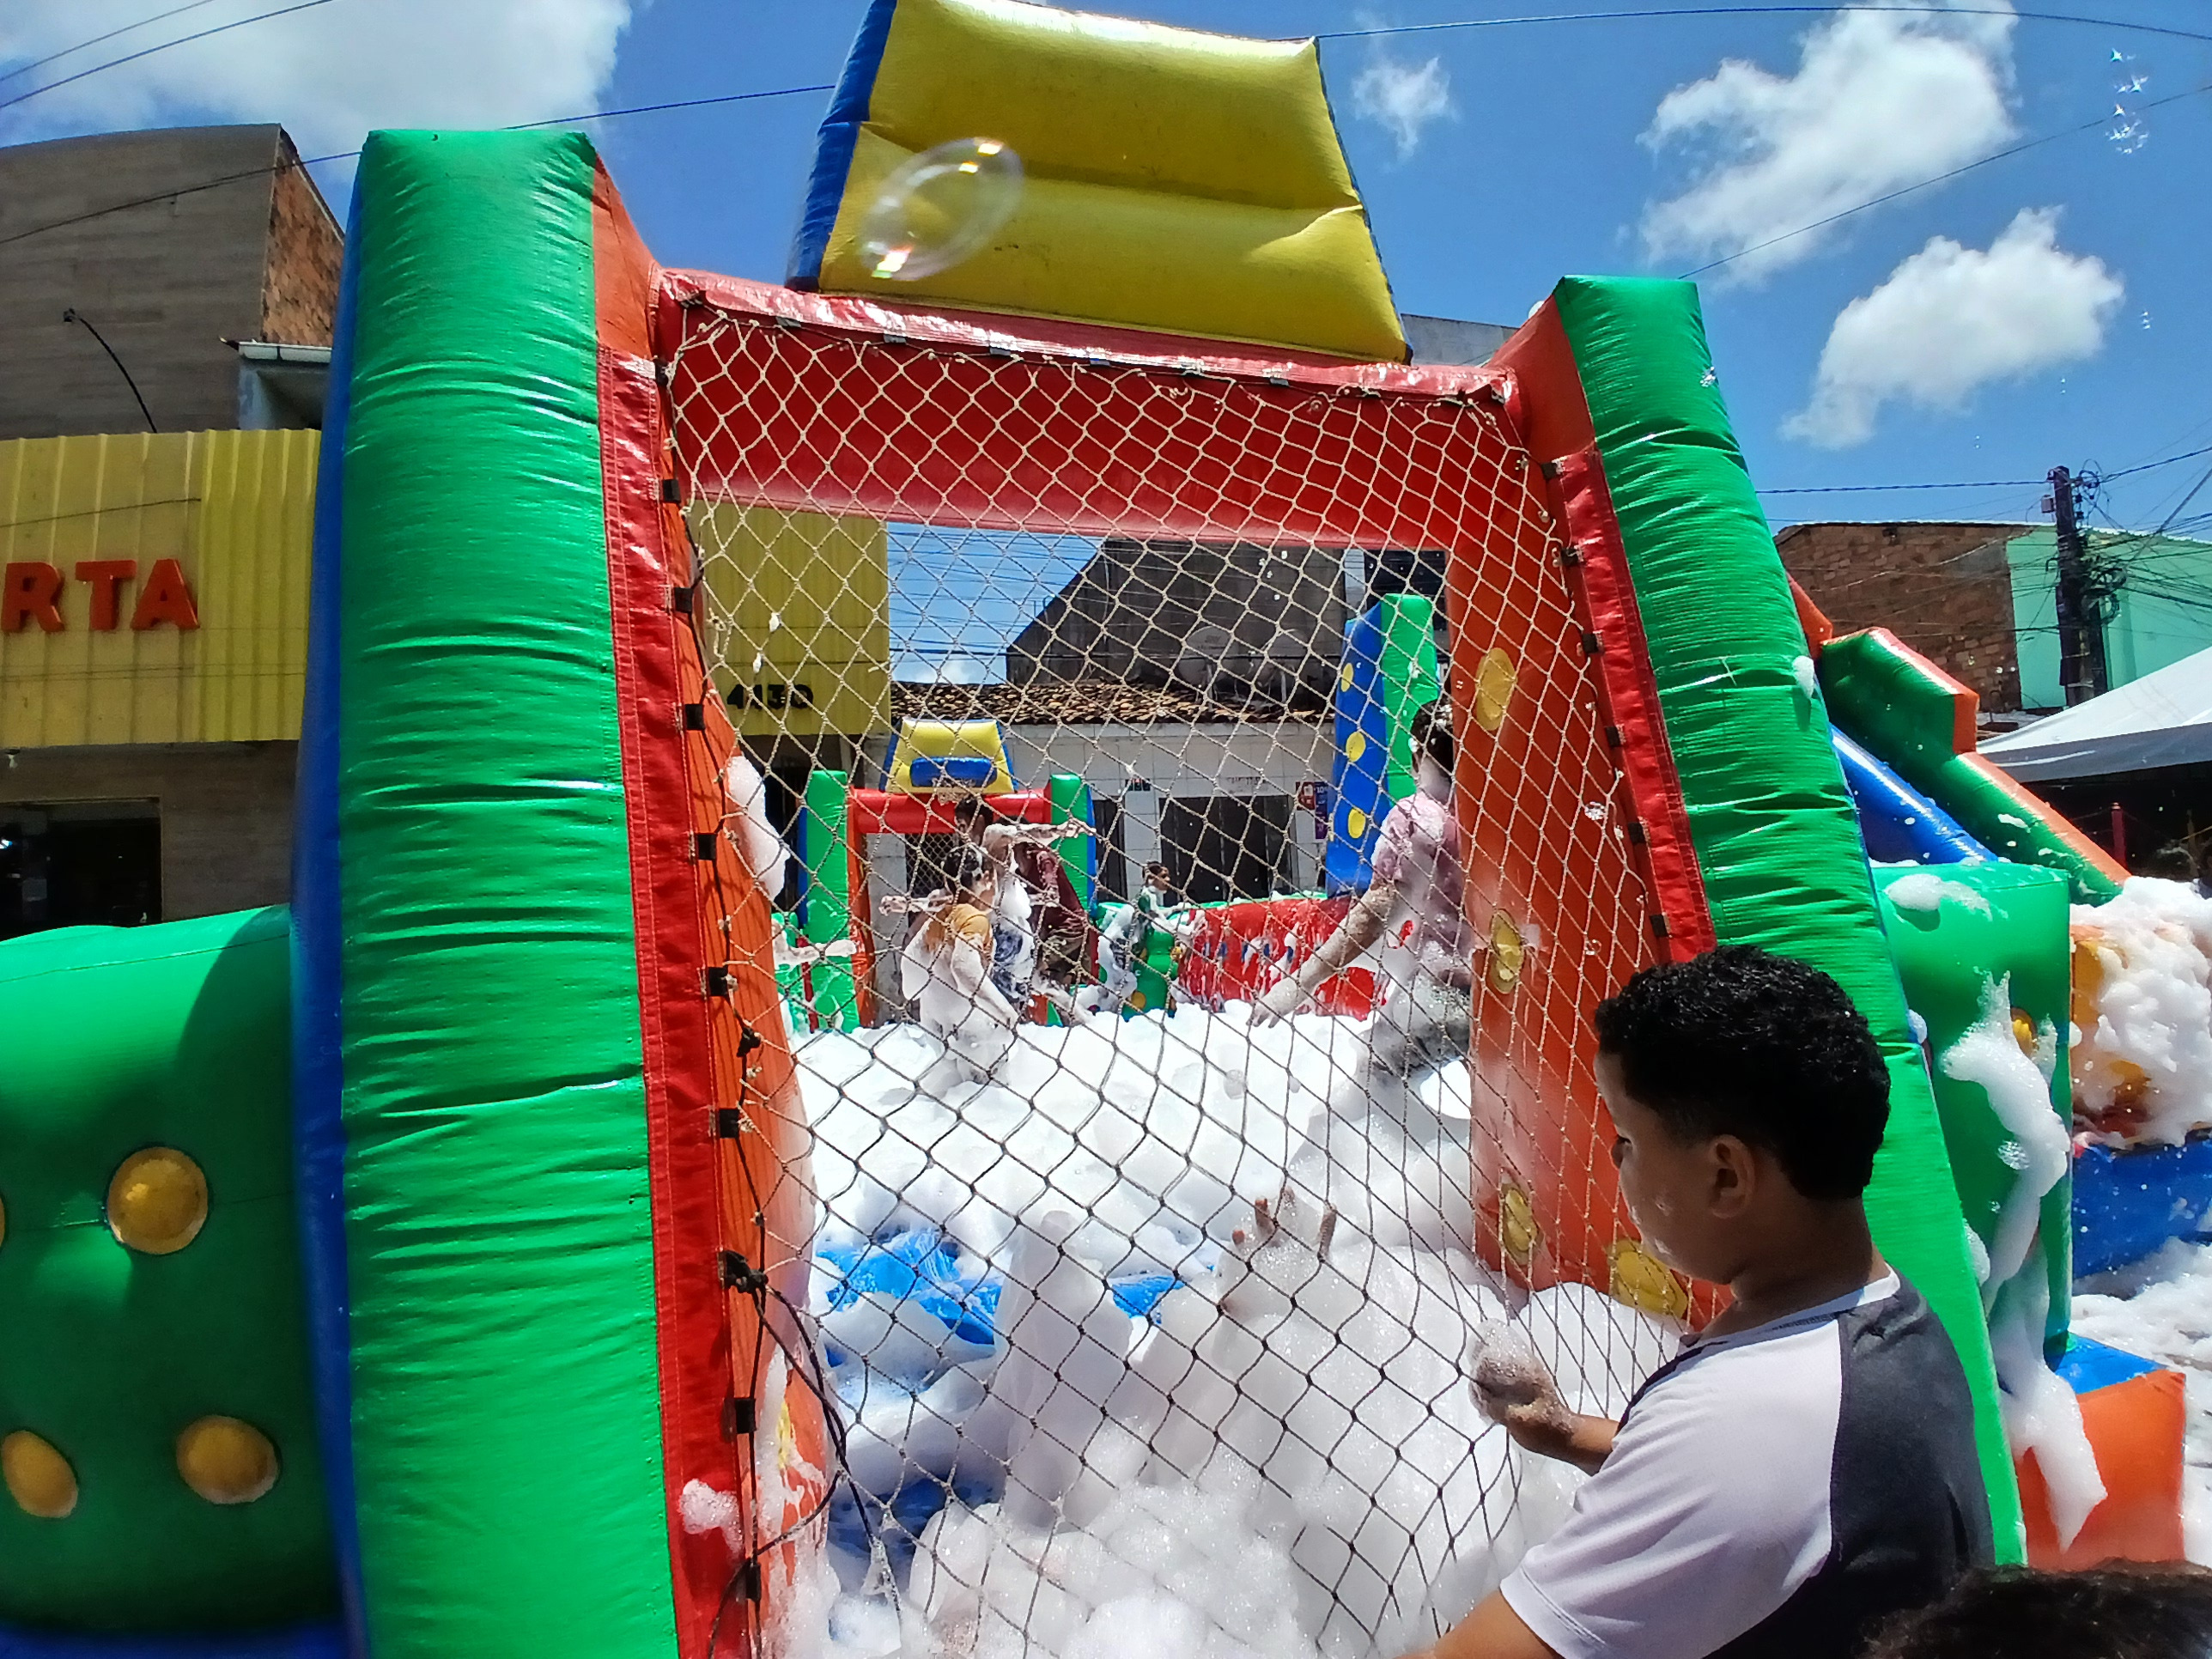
column 1258, row 758
column 1944, row 589
column 226, row 812
column 168, row 242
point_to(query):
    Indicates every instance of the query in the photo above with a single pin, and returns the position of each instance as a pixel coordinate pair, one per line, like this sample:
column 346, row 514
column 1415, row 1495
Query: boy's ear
column 1733, row 1172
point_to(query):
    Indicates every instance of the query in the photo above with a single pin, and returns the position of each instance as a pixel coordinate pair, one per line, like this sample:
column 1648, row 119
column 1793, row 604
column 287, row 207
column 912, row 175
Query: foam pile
column 2142, row 1013
column 1156, row 1344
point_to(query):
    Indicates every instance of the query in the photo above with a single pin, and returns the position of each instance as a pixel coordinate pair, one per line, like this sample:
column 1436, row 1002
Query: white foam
column 1927, row 893
column 1989, row 1054
column 2041, row 1413
column 1286, row 1460
column 2151, row 1038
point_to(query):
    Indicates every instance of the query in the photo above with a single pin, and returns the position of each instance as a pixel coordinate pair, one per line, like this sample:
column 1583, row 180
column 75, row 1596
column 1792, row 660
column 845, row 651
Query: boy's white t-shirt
column 1774, row 1490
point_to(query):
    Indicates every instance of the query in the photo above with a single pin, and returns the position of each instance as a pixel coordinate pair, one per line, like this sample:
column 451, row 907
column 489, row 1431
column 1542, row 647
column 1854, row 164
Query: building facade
column 1980, row 600
column 153, row 555
column 1945, row 589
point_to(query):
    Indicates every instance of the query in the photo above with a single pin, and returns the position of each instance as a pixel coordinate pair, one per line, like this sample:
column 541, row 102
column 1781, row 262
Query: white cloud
column 1951, row 320
column 1878, row 102
column 329, row 75
column 1404, row 97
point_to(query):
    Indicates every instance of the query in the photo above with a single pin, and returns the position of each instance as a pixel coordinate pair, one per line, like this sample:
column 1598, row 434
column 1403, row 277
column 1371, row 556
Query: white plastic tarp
column 2162, row 720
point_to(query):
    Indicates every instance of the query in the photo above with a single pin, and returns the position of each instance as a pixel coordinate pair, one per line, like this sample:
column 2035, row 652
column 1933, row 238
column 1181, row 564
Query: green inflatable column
column 1410, row 680
column 155, row 1402
column 1776, row 840
column 500, row 1221
column 1071, row 804
column 826, row 911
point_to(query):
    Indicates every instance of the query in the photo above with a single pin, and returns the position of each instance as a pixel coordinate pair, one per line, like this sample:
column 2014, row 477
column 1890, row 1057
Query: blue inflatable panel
column 2127, row 1204
column 924, row 1267
column 958, row 771
column 1900, row 825
column 1361, row 779
column 2087, row 1366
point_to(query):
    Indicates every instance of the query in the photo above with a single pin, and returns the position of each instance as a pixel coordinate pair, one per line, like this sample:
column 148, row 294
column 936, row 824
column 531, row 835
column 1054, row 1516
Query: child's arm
column 1493, row 1631
column 1362, row 925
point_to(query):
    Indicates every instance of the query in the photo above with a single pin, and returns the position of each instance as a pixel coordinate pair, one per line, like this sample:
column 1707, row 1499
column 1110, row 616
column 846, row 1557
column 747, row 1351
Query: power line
column 1650, row 12
column 147, row 52
column 98, row 39
column 680, row 103
column 2125, row 471
column 1941, row 178
column 1853, row 489
column 349, row 155
column 170, row 195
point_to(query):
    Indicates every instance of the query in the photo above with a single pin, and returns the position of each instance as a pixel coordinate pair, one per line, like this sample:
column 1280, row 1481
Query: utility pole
column 2082, row 672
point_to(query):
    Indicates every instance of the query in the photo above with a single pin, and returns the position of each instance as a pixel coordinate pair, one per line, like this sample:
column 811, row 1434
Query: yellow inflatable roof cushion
column 1295, row 276
column 1186, row 183
column 1109, row 100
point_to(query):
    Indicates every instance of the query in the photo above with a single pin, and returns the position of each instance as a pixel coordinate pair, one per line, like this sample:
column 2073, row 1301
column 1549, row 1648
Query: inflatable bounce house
column 538, row 1241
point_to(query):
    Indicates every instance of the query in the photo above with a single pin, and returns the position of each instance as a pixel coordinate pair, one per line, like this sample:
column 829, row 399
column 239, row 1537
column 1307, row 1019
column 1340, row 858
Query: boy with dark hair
column 1806, row 1467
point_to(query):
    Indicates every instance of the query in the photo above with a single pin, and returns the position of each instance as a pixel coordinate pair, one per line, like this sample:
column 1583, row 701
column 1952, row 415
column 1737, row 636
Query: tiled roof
column 1084, row 703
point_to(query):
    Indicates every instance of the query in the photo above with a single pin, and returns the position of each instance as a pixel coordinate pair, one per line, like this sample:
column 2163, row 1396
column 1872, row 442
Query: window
column 1227, row 847
column 1112, row 879
column 79, row 863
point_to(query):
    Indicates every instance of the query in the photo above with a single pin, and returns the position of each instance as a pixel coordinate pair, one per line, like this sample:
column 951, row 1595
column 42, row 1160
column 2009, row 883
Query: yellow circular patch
column 225, row 1461
column 1493, row 689
column 1518, row 1234
column 2023, row 1031
column 158, row 1201
column 1355, row 746
column 39, row 1478
column 1508, row 953
column 1344, row 680
column 1355, row 823
column 1645, row 1283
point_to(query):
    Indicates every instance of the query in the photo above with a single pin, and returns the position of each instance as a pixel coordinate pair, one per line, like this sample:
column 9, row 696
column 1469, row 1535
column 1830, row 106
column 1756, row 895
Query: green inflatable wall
column 172, row 1039
column 1968, row 928
column 1776, row 836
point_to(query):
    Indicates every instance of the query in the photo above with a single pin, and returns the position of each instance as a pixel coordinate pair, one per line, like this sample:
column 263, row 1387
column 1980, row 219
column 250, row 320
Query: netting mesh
column 1141, row 1320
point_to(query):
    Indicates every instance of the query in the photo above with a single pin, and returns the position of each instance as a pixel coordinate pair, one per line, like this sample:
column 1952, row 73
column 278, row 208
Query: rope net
column 1139, row 1323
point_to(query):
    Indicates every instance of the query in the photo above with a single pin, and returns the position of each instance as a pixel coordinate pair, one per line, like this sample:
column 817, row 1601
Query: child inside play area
column 946, row 967
column 1015, row 908
column 1415, row 908
column 1805, row 1468
column 1126, row 942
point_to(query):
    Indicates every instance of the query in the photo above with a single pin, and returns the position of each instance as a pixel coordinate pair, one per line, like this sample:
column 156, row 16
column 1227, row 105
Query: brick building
column 1944, row 589
column 153, row 562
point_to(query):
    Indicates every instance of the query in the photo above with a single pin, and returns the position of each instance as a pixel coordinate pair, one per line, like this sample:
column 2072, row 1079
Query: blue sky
column 2042, row 309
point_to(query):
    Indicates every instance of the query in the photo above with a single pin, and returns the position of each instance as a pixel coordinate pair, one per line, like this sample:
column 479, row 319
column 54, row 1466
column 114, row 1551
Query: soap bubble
column 939, row 207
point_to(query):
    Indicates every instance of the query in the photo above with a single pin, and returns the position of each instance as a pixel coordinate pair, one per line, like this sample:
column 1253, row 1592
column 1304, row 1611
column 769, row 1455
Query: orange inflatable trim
column 2136, row 1428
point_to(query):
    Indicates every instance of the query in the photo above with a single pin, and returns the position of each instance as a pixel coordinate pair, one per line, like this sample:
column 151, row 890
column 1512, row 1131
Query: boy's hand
column 1512, row 1388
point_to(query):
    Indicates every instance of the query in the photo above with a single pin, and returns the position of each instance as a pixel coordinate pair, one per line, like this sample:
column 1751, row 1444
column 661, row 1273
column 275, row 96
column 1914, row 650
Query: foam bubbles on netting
column 940, row 208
